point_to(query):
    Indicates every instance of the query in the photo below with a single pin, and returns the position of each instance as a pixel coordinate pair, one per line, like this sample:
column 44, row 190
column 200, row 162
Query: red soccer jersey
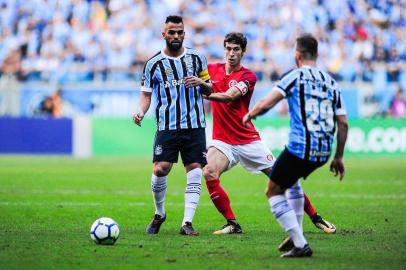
column 227, row 117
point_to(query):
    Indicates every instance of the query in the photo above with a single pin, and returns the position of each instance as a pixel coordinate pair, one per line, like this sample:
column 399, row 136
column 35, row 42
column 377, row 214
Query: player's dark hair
column 174, row 19
column 307, row 45
column 236, row 38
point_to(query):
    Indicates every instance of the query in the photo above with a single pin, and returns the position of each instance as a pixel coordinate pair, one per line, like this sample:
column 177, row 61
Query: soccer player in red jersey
column 233, row 86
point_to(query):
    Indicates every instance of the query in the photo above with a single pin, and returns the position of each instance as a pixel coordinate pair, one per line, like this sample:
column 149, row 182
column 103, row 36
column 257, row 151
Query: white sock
column 192, row 193
column 295, row 198
column 158, row 187
column 287, row 219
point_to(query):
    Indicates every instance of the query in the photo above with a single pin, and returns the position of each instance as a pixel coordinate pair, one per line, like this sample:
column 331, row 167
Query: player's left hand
column 192, row 81
column 137, row 118
column 337, row 167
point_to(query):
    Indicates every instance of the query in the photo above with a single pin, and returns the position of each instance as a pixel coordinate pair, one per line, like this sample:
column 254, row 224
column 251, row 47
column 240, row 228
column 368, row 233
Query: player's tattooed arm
column 192, row 81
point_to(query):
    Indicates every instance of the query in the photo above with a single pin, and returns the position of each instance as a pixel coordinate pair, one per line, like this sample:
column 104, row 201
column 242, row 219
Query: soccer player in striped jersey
column 316, row 108
column 176, row 77
column 233, row 86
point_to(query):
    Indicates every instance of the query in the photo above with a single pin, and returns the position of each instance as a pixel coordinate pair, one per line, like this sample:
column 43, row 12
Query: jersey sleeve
column 203, row 71
column 339, row 106
column 246, row 83
column 147, row 77
column 286, row 83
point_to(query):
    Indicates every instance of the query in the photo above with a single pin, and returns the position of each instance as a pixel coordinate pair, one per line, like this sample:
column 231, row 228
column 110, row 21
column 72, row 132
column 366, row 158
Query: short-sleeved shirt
column 177, row 107
column 314, row 102
column 227, row 117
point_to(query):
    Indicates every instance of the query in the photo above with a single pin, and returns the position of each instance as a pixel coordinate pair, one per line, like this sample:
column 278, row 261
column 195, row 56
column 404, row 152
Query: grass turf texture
column 47, row 205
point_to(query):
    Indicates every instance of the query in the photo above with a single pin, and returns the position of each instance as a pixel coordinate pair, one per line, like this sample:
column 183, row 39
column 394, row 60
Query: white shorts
column 254, row 156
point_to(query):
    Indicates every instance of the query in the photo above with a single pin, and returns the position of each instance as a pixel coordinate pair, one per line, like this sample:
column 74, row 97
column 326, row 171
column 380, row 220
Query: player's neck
column 308, row 63
column 172, row 53
column 230, row 69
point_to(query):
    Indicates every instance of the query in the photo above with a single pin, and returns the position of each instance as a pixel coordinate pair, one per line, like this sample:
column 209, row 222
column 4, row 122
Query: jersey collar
column 170, row 57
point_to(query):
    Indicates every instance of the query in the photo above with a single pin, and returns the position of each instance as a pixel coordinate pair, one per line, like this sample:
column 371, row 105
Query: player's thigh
column 192, row 146
column 310, row 167
column 224, row 149
column 217, row 161
column 255, row 156
column 166, row 146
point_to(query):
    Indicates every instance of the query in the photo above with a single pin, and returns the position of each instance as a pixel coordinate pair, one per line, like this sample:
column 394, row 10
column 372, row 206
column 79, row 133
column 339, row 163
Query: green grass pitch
column 47, row 205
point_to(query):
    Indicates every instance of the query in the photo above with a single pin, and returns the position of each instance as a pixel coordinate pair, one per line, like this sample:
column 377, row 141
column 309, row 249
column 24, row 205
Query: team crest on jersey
column 158, row 150
column 232, row 83
column 168, row 72
column 189, row 63
column 270, row 157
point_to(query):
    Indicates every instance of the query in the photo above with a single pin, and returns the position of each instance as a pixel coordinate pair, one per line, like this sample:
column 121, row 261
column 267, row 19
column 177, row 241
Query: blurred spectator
column 51, row 105
column 83, row 40
column 55, row 106
column 398, row 105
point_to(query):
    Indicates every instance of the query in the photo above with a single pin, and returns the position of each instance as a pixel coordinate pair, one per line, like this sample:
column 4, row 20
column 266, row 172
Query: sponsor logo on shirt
column 170, row 83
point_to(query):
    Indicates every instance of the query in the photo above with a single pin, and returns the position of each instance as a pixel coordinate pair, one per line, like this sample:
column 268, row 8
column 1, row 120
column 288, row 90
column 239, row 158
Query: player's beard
column 174, row 46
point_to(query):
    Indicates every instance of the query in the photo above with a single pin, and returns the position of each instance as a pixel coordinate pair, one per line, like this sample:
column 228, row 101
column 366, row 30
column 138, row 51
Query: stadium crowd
column 79, row 40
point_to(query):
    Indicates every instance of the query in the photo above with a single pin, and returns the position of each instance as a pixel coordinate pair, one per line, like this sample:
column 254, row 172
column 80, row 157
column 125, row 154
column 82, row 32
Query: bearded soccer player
column 177, row 77
column 233, row 86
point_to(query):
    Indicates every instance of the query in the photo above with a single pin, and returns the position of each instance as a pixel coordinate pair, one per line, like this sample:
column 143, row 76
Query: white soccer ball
column 105, row 231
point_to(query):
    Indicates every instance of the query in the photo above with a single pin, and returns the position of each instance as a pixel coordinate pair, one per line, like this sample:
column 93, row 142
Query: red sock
column 220, row 198
column 308, row 207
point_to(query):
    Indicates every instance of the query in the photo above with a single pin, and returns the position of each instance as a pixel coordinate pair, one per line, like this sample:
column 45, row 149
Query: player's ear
column 164, row 31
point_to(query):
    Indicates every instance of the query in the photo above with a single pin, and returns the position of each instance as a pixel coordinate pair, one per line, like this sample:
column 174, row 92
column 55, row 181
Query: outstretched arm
column 231, row 94
column 263, row 106
column 337, row 165
column 145, row 102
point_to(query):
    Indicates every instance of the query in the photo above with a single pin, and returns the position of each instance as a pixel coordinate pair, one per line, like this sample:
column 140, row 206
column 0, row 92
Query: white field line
column 144, row 204
column 316, row 194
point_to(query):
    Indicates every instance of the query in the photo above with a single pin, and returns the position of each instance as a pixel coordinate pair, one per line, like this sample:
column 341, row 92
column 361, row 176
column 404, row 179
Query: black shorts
column 191, row 143
column 289, row 168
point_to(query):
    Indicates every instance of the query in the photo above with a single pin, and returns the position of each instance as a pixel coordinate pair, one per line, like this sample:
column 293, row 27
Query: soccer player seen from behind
column 233, row 86
column 176, row 77
column 316, row 108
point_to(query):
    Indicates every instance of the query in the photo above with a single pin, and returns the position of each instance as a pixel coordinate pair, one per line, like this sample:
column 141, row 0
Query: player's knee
column 210, row 173
column 272, row 190
column 161, row 170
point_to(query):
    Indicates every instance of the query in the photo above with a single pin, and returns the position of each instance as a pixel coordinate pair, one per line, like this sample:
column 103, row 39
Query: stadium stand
column 79, row 40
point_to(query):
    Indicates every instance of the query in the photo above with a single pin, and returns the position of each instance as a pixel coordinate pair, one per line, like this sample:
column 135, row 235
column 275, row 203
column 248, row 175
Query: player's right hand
column 245, row 120
column 137, row 118
column 337, row 167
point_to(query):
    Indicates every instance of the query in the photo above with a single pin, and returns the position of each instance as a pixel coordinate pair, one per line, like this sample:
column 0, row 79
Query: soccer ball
column 105, row 231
